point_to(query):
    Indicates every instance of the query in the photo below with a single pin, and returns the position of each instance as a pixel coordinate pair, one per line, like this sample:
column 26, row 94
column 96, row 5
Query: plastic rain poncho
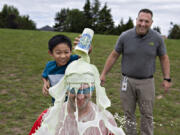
column 98, row 121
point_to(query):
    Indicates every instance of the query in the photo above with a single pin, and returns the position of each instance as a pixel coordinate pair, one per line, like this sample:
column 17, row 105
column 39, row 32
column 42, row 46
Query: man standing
column 139, row 47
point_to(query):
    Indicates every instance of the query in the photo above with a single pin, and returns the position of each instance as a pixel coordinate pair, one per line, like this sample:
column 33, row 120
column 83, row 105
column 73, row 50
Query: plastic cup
column 85, row 41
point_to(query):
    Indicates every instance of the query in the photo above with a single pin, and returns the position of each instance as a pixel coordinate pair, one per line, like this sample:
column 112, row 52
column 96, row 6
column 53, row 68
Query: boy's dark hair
column 58, row 39
column 145, row 10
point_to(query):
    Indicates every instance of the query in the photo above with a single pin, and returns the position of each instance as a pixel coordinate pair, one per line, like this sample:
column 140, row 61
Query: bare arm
column 46, row 85
column 165, row 65
column 108, row 65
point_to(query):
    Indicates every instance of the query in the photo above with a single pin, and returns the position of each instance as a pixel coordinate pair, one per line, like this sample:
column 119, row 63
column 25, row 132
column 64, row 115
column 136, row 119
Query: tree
column 156, row 28
column 10, row 18
column 129, row 24
column 174, row 32
column 105, row 24
column 123, row 26
column 75, row 21
column 60, row 20
column 95, row 14
column 70, row 20
column 88, row 14
column 9, row 15
column 25, row 23
column 100, row 20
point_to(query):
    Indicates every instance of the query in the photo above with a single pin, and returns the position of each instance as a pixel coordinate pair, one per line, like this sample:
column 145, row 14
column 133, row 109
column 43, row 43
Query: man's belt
column 138, row 77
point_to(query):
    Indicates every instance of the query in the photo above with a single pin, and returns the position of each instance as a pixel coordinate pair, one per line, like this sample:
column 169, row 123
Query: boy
column 60, row 48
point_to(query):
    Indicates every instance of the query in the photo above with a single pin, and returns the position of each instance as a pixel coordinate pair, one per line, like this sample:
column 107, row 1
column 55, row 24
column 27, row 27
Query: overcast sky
column 42, row 12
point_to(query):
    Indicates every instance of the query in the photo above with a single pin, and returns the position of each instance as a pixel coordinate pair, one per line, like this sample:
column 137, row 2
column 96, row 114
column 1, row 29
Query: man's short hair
column 145, row 10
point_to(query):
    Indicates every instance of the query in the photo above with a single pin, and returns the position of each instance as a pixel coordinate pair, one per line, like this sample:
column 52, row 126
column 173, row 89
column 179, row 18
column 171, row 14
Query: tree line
column 10, row 18
column 92, row 16
column 74, row 20
column 174, row 32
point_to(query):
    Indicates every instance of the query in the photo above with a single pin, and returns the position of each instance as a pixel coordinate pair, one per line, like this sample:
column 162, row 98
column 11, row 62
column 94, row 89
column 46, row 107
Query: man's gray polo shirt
column 139, row 53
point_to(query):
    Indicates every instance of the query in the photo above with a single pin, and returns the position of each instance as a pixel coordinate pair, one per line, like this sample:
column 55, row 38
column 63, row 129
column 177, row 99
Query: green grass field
column 23, row 55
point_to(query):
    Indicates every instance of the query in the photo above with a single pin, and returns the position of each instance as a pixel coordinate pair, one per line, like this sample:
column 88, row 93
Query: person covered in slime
column 79, row 115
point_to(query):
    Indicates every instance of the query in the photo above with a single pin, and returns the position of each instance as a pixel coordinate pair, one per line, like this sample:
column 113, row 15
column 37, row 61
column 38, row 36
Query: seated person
column 79, row 115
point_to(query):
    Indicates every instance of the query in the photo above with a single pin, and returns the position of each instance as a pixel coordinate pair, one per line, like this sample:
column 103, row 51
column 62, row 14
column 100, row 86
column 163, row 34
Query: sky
column 42, row 12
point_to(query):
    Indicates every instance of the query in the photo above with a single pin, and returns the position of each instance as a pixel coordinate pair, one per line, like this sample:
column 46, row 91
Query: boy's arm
column 46, row 85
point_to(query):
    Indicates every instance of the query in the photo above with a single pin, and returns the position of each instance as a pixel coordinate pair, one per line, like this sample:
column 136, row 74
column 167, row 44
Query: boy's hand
column 45, row 89
column 76, row 40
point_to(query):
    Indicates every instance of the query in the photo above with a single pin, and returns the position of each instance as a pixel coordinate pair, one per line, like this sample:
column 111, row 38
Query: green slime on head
column 78, row 72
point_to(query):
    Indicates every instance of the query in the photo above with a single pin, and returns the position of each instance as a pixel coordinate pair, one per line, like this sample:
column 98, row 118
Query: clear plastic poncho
column 61, row 119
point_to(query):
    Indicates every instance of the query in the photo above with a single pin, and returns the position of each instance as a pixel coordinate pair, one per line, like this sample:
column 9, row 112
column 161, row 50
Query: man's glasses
column 82, row 91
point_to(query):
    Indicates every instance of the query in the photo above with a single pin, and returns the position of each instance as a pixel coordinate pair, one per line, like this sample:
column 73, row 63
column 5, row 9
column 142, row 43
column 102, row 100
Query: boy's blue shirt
column 54, row 73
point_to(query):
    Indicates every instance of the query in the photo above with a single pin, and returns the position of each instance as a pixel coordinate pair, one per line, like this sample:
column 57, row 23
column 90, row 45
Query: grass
column 23, row 55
